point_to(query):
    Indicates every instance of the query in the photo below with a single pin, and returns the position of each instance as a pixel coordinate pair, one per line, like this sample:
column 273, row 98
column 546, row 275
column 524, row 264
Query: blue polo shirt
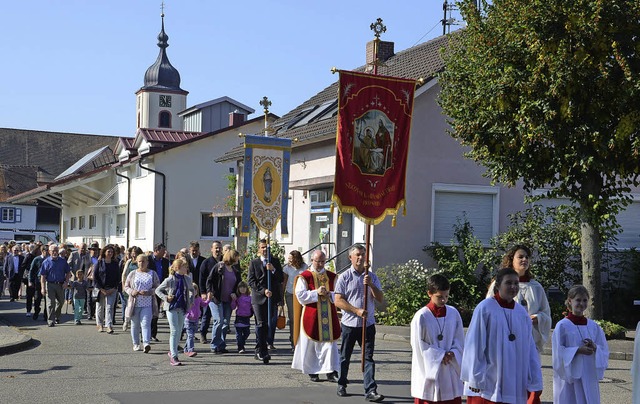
column 351, row 287
column 55, row 270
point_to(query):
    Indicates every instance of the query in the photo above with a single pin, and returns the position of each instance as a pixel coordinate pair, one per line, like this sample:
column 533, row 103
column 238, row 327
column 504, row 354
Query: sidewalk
column 12, row 340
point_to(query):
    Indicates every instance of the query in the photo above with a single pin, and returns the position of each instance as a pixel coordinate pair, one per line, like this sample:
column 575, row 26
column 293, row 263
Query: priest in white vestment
column 316, row 351
column 437, row 340
column 500, row 362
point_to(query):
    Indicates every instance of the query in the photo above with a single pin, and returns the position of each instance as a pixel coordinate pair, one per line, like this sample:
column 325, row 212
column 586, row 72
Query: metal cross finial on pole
column 378, row 27
column 162, row 9
column 266, row 104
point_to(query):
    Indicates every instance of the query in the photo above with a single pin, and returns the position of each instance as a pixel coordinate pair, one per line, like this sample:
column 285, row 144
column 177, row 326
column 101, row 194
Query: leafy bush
column 464, row 263
column 405, row 290
column 612, row 330
column 252, row 252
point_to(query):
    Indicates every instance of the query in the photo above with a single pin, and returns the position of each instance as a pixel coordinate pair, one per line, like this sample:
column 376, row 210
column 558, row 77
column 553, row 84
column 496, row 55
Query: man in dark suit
column 158, row 263
column 264, row 271
column 205, row 270
column 195, row 261
column 13, row 271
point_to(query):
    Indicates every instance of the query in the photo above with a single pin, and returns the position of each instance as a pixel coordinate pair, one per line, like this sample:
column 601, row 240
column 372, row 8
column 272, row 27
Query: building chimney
column 235, row 118
column 385, row 51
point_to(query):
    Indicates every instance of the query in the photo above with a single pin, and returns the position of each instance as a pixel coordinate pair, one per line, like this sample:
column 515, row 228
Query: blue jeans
column 191, row 326
column 242, row 333
column 205, row 321
column 123, row 301
column 78, row 304
column 141, row 319
column 105, row 307
column 221, row 316
column 351, row 335
column 176, row 321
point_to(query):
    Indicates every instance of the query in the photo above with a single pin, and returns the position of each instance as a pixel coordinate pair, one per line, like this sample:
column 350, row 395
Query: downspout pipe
column 164, row 194
column 128, row 205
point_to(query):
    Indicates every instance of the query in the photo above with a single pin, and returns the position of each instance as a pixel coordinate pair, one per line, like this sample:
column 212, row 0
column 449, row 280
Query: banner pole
column 268, row 282
column 366, row 294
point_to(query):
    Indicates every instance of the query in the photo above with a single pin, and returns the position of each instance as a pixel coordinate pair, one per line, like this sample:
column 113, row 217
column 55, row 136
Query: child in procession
column 500, row 362
column 191, row 320
column 244, row 312
column 177, row 293
column 580, row 353
column 437, row 341
column 79, row 294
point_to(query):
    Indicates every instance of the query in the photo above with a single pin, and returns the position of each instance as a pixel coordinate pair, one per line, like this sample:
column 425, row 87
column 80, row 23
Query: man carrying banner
column 350, row 298
column 264, row 278
column 316, row 348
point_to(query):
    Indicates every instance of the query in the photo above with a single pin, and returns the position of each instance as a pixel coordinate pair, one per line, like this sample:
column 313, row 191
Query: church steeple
column 162, row 74
column 161, row 99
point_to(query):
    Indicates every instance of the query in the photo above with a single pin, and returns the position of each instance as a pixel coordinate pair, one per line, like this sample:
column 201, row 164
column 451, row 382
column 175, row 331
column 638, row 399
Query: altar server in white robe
column 531, row 294
column 500, row 363
column 316, row 328
column 437, row 341
column 580, row 354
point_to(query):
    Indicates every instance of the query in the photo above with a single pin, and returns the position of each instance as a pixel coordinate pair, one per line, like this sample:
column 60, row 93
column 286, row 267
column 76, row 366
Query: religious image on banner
column 374, row 123
column 266, row 183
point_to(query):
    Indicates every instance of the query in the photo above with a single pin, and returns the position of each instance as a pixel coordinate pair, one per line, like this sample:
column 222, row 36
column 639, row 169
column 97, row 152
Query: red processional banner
column 374, row 123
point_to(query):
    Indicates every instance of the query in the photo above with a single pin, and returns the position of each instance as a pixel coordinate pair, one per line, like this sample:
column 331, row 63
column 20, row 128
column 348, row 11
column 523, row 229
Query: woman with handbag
column 140, row 286
column 221, row 286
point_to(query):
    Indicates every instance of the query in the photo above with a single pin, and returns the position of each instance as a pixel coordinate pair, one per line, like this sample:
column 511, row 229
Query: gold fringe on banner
column 393, row 221
column 340, row 218
column 404, row 210
column 331, row 208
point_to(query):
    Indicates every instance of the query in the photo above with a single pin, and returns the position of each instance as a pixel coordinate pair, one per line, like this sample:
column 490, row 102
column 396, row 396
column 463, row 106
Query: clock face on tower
column 165, row 101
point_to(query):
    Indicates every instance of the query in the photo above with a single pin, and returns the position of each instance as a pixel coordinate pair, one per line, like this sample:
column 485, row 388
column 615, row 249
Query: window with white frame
column 452, row 204
column 121, row 224
column 73, row 223
column 92, row 221
column 213, row 227
column 81, row 222
column 141, row 218
column 11, row 215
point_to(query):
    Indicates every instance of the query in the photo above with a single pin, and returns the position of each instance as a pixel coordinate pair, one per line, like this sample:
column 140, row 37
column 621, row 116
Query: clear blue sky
column 74, row 65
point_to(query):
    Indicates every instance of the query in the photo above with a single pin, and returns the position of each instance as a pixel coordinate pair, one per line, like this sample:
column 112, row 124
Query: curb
column 19, row 341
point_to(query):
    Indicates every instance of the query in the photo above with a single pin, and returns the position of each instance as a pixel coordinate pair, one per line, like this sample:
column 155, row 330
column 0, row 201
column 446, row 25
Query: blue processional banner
column 266, row 183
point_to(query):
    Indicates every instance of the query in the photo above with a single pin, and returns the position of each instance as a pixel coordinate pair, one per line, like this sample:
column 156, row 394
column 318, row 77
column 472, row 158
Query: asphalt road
column 76, row 364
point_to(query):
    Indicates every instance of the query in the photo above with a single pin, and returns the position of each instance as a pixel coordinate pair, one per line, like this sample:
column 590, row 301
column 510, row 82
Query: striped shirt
column 351, row 287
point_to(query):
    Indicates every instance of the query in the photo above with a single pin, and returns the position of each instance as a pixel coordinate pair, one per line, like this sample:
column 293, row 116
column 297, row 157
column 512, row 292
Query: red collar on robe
column 525, row 278
column 503, row 303
column 577, row 320
column 437, row 311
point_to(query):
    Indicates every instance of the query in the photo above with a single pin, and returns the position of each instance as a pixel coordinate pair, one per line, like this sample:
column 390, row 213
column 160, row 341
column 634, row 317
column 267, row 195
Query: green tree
column 547, row 92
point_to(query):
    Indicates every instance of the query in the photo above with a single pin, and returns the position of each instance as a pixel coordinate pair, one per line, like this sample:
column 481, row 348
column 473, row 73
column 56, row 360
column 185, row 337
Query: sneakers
column 241, row 350
column 100, row 329
column 28, row 314
column 191, row 354
column 77, row 322
column 373, row 397
column 109, row 330
column 173, row 360
column 137, row 348
column 125, row 325
column 147, row 348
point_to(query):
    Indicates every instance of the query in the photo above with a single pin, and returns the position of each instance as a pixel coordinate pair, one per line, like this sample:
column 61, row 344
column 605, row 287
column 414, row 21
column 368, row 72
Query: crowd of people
column 497, row 361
